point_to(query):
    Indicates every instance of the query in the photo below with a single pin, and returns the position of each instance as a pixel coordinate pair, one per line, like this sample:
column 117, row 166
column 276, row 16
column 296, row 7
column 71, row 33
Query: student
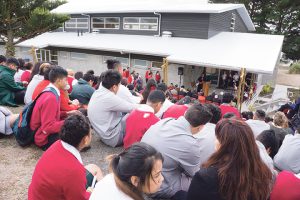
column 235, row 170
column 258, row 124
column 280, row 126
column 123, row 92
column 60, row 174
column 83, row 90
column 177, row 110
column 70, row 79
column 35, row 81
column 226, row 106
column 65, row 103
column 180, row 149
column 78, row 75
column 150, row 86
column 27, row 73
column 20, row 70
column 145, row 116
column 167, row 104
column 268, row 139
column 106, row 107
column 43, row 84
column 135, row 171
column 7, row 119
column 11, row 93
column 46, row 115
column 157, row 77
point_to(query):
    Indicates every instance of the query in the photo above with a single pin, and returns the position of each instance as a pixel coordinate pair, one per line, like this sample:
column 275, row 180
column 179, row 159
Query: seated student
column 235, row 164
column 268, row 139
column 27, row 73
column 19, row 71
column 288, row 157
column 145, row 116
column 280, row 126
column 123, row 92
column 258, row 124
column 150, row 86
column 206, row 136
column 46, row 115
column 65, row 103
column 135, row 171
column 11, row 93
column 60, row 174
column 226, row 106
column 7, row 119
column 83, row 90
column 35, row 81
column 78, row 75
column 180, row 149
column 286, row 187
column 177, row 110
column 167, row 104
column 105, row 110
column 43, row 84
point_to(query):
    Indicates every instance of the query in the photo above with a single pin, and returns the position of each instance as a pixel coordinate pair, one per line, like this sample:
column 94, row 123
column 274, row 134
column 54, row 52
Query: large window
column 106, row 22
column 46, row 55
column 140, row 23
column 123, row 61
column 77, row 23
column 142, row 63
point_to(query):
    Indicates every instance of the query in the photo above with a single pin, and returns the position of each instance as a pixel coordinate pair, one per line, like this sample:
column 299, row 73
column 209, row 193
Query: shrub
column 295, row 68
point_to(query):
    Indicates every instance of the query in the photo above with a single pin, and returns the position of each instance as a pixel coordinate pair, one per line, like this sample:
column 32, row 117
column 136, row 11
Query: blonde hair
column 280, row 120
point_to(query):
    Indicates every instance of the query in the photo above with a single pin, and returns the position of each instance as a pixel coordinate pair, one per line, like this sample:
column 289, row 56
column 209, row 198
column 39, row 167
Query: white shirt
column 56, row 89
column 125, row 94
column 167, row 104
column 108, row 190
column 31, row 87
column 257, row 126
column 18, row 75
column 72, row 150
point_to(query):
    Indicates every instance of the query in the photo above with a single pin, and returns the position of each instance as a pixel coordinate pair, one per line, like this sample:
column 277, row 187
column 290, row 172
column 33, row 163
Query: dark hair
column 138, row 160
column 90, row 72
column 124, row 81
column 151, row 84
column 185, row 101
column 247, row 115
column 260, row 114
column 198, row 115
column 47, row 71
column 227, row 97
column 35, row 70
column 74, row 129
column 156, row 96
column 268, row 139
column 130, row 86
column 229, row 115
column 216, row 113
column 57, row 72
column 239, row 163
column 28, row 65
column 112, row 64
column 88, row 77
column 78, row 75
column 13, row 61
column 2, row 58
column 268, row 119
column 110, row 78
column 21, row 64
column 162, row 86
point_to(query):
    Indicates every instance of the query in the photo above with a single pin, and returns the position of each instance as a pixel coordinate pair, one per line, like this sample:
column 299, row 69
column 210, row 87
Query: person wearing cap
column 11, row 93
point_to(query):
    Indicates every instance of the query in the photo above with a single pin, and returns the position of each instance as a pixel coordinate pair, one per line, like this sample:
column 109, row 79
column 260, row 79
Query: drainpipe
column 159, row 23
column 89, row 24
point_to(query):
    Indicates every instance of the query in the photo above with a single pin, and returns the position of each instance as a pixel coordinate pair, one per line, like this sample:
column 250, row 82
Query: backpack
column 21, row 128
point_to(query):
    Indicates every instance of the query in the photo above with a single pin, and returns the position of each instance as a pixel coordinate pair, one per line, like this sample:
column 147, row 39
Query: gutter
column 159, row 21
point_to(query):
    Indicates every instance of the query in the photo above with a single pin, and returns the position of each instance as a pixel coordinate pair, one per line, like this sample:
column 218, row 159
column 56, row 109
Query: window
column 78, row 56
column 46, row 55
column 123, row 61
column 156, row 64
column 140, row 23
column 105, row 22
column 77, row 23
column 141, row 63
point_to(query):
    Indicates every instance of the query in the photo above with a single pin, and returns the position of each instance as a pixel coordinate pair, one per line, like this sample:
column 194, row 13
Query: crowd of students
column 183, row 151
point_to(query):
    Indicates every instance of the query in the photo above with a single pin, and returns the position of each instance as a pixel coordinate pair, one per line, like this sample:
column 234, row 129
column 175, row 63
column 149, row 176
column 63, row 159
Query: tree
column 276, row 17
column 21, row 20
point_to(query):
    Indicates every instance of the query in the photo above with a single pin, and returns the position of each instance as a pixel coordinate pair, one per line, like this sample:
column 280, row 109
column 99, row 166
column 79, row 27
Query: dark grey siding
column 186, row 25
column 75, row 30
column 221, row 22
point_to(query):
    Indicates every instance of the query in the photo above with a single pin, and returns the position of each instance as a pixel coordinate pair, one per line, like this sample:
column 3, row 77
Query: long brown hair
column 241, row 172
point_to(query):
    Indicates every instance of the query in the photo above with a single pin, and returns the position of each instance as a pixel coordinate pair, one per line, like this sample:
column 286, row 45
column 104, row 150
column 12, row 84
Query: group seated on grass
column 188, row 150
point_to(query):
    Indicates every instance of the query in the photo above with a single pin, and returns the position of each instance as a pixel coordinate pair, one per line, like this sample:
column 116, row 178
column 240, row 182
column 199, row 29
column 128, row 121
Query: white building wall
column 2, row 50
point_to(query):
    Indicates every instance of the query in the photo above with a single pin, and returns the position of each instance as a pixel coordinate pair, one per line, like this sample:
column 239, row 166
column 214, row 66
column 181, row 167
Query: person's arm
column 125, row 94
column 119, row 105
column 11, row 84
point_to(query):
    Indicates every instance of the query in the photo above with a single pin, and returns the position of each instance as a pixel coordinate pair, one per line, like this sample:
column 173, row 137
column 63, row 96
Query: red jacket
column 45, row 118
column 157, row 77
column 229, row 109
column 70, row 80
column 175, row 111
column 26, row 76
column 64, row 102
column 58, row 175
column 39, row 88
column 135, row 131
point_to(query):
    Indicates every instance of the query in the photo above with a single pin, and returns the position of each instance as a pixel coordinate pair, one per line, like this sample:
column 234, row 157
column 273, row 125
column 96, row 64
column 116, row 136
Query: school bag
column 21, row 128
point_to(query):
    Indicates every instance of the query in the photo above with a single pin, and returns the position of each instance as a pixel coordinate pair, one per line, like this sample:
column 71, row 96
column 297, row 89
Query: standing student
column 157, row 77
column 59, row 173
column 145, row 116
column 135, row 172
column 235, row 170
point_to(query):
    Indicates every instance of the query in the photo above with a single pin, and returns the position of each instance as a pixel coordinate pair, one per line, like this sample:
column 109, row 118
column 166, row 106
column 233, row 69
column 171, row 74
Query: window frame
column 76, row 23
column 140, row 23
column 104, row 23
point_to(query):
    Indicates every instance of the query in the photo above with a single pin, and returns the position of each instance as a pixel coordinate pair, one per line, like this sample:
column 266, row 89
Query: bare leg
column 12, row 119
column 95, row 170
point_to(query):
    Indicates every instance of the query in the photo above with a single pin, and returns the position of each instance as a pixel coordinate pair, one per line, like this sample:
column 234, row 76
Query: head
column 47, row 71
column 268, row 119
column 70, row 72
column 227, row 97
column 111, row 80
column 22, row 64
column 2, row 60
column 89, row 78
column 156, row 99
column 76, row 131
column 28, row 66
column 259, row 115
column 230, row 115
column 42, row 68
column 78, row 75
column 268, row 139
column 216, row 113
column 151, row 84
column 114, row 65
column 239, row 163
column 58, row 77
column 90, row 72
column 137, row 170
column 124, row 81
column 163, row 87
column 12, row 63
column 281, row 120
column 197, row 115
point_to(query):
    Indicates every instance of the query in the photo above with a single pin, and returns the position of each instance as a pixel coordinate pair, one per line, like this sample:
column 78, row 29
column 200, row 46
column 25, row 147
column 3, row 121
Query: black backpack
column 21, row 128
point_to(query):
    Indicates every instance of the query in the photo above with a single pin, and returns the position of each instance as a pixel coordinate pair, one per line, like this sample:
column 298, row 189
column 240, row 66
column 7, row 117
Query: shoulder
column 207, row 175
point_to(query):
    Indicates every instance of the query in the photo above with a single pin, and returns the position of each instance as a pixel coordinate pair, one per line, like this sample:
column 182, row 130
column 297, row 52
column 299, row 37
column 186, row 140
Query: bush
column 295, row 68
column 267, row 89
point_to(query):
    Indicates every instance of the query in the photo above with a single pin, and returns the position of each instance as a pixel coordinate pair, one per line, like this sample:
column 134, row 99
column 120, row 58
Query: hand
column 73, row 112
column 75, row 102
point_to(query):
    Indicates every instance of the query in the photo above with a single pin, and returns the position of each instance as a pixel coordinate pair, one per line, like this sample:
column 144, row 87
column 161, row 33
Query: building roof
column 227, row 50
column 146, row 6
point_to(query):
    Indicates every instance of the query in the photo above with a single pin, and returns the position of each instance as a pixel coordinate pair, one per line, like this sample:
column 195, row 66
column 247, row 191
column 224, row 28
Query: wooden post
column 33, row 53
column 240, row 93
column 165, row 67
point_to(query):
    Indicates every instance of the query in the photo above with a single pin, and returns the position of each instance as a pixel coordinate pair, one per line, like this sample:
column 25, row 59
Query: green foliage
column 295, row 68
column 24, row 19
column 267, row 89
column 276, row 17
